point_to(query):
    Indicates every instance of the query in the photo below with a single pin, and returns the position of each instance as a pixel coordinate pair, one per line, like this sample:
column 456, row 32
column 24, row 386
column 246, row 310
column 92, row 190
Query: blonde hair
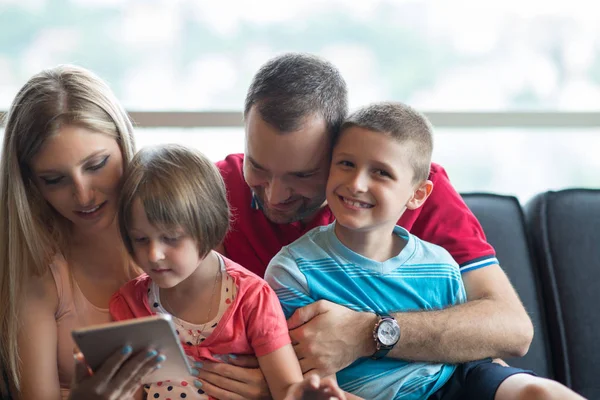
column 177, row 187
column 31, row 232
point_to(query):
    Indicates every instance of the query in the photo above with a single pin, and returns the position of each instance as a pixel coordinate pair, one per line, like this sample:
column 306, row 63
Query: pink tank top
column 74, row 311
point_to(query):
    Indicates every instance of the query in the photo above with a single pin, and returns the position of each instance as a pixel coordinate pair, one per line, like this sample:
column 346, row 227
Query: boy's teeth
column 356, row 203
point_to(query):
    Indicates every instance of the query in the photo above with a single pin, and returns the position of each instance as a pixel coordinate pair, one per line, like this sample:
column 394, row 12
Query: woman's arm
column 281, row 370
column 37, row 341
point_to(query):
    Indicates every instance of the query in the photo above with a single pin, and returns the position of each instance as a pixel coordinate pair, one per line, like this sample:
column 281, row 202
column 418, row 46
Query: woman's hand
column 118, row 378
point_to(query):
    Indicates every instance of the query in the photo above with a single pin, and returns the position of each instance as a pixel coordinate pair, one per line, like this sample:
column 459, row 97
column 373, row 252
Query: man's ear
column 421, row 193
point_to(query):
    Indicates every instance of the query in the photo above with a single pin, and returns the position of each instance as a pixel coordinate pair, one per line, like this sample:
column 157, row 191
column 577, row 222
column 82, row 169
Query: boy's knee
column 538, row 389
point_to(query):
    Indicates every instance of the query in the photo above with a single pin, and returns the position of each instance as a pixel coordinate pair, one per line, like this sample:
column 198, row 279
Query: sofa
column 550, row 250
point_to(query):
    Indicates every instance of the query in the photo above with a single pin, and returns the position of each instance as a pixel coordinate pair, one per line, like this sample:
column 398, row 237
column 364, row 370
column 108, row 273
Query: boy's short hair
column 177, row 187
column 403, row 123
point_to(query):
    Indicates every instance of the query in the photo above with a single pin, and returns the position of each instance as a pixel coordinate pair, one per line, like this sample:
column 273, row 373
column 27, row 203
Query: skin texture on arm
column 38, row 341
column 493, row 323
column 281, row 370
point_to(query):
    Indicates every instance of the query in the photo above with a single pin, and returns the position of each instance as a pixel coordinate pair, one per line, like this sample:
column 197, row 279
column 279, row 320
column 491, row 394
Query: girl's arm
column 281, row 369
column 37, row 341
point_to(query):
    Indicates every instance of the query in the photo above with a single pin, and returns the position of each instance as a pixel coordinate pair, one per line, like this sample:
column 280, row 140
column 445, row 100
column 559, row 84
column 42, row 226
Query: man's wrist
column 369, row 346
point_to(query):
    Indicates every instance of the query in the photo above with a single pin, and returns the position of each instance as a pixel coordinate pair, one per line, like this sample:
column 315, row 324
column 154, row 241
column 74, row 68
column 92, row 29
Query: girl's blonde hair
column 31, row 232
column 178, row 187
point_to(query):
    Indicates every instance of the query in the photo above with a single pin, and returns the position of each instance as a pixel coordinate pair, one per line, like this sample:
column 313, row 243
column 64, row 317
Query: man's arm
column 493, row 323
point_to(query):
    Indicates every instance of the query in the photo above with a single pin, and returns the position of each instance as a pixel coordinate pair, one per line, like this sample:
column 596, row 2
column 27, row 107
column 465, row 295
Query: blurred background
column 512, row 86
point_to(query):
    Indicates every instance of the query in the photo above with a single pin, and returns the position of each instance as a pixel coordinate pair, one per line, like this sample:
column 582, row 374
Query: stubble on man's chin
column 304, row 214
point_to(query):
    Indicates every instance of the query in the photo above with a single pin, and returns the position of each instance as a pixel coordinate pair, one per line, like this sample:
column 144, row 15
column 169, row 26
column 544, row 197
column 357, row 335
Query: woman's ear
column 421, row 193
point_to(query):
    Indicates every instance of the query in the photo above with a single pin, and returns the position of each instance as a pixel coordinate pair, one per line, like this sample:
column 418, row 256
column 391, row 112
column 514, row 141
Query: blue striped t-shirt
column 423, row 276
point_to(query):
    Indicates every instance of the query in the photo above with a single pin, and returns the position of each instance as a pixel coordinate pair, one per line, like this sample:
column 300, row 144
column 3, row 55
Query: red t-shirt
column 253, row 324
column 444, row 219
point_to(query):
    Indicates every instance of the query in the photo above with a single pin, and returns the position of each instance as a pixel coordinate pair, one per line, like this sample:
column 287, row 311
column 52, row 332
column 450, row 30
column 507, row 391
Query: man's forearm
column 471, row 331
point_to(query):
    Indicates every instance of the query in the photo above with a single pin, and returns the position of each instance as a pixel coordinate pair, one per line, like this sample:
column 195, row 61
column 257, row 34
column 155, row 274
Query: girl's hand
column 315, row 388
column 119, row 377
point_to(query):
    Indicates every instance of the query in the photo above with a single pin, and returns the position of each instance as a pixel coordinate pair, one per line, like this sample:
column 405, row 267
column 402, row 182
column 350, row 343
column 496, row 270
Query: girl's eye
column 99, row 165
column 170, row 239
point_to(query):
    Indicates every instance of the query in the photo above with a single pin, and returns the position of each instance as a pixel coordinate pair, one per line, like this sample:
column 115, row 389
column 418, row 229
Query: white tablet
column 99, row 342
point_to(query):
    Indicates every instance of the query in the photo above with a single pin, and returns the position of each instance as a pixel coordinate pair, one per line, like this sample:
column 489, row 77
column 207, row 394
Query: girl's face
column 78, row 172
column 168, row 256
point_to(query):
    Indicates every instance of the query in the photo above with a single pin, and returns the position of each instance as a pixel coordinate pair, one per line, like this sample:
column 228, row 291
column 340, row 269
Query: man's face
column 287, row 171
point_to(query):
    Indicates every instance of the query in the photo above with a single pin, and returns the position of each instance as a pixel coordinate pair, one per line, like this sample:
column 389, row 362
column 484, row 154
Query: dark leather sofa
column 550, row 249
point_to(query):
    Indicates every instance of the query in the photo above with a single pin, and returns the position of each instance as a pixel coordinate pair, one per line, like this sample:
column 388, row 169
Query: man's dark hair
column 293, row 86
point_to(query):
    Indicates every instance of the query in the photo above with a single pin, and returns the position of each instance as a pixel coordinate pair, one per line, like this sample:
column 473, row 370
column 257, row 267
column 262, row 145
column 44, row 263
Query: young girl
column 173, row 212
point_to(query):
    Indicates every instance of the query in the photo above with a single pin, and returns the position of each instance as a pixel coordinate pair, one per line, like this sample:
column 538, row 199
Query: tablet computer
column 99, row 342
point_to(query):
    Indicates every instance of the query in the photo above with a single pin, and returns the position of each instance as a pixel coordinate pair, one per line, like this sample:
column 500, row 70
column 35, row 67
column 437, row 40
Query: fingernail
column 232, row 356
column 126, row 350
column 158, row 366
column 151, row 353
column 161, row 358
column 195, row 372
column 198, row 384
column 198, row 364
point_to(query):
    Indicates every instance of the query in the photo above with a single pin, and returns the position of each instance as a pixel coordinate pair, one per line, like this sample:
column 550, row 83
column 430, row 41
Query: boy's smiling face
column 370, row 180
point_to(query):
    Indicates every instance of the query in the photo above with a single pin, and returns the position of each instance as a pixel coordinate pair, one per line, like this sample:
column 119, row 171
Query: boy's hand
column 328, row 337
column 315, row 388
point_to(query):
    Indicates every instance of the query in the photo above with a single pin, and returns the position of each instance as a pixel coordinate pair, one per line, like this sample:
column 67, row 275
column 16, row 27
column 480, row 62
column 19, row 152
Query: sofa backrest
column 503, row 222
column 565, row 226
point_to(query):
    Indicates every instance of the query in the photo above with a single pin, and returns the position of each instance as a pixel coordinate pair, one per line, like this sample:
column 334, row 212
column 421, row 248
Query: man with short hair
column 276, row 189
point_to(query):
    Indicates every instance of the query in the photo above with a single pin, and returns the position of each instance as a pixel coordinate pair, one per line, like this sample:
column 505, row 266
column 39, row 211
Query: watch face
column 388, row 333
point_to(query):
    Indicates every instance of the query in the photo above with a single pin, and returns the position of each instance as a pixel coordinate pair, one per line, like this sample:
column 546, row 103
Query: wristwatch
column 386, row 334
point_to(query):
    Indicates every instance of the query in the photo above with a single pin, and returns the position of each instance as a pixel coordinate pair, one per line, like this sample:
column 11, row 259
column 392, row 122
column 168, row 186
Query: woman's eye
column 101, row 164
column 52, row 181
column 140, row 239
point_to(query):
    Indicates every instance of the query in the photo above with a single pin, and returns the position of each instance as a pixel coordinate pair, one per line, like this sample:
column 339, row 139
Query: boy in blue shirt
column 364, row 261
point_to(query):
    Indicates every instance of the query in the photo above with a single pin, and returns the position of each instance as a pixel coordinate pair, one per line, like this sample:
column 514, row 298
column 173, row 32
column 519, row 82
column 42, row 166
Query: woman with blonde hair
column 66, row 143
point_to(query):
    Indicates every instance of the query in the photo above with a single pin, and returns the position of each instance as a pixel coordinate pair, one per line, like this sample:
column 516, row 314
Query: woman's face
column 78, row 172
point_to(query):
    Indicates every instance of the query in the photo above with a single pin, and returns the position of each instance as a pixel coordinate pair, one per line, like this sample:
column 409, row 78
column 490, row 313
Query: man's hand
column 239, row 377
column 328, row 337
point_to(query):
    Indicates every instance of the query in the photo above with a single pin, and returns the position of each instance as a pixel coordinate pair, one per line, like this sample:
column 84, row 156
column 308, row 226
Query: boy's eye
column 101, row 164
column 383, row 173
column 345, row 163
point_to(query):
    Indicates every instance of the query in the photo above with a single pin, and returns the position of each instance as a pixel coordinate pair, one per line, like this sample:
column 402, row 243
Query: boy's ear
column 420, row 194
